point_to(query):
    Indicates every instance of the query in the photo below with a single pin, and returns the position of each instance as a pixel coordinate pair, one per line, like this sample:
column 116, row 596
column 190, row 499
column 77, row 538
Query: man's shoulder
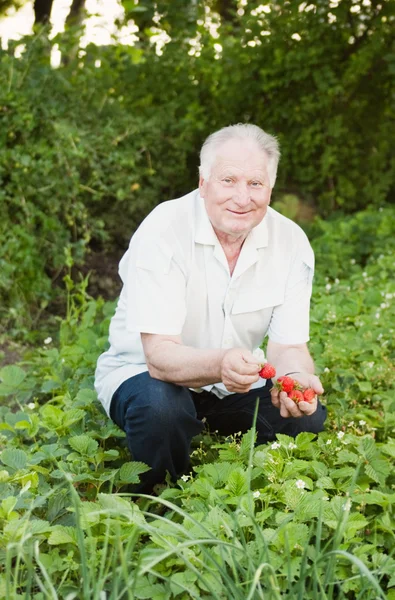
column 282, row 225
column 170, row 223
column 289, row 239
column 177, row 207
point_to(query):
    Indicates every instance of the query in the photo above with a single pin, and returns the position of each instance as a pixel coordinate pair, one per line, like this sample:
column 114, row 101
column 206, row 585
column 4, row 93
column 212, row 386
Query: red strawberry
column 267, row 371
column 285, row 384
column 309, row 395
column 296, row 396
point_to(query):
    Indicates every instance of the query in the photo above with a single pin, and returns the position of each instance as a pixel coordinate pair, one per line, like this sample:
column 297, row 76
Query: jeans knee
column 160, row 406
column 315, row 422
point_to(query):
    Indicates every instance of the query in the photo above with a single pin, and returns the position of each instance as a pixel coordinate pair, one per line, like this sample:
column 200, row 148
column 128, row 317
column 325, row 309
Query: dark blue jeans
column 160, row 419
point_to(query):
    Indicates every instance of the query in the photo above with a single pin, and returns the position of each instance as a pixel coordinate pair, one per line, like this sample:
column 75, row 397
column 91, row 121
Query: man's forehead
column 240, row 154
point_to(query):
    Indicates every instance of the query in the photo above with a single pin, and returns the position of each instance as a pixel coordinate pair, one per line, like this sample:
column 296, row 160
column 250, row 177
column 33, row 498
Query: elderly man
column 205, row 279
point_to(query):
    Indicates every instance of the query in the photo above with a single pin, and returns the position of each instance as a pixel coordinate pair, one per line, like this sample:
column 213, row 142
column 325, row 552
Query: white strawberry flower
column 260, row 355
column 300, row 484
column 256, row 494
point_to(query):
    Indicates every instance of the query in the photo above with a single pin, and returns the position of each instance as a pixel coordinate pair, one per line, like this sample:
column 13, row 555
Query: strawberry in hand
column 267, row 371
column 285, row 384
column 309, row 395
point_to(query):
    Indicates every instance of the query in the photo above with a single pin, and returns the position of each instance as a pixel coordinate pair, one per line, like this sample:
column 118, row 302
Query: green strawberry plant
column 311, row 517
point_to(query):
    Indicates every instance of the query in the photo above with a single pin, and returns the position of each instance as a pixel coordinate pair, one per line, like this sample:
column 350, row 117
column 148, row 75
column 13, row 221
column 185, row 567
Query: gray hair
column 243, row 131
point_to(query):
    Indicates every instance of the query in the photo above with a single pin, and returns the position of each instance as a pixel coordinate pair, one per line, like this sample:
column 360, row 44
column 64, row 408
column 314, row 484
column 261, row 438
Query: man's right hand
column 239, row 370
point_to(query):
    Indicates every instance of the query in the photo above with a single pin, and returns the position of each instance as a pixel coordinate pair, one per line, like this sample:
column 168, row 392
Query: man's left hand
column 289, row 408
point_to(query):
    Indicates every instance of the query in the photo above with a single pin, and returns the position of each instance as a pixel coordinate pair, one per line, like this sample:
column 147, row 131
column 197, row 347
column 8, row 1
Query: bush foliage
column 90, row 148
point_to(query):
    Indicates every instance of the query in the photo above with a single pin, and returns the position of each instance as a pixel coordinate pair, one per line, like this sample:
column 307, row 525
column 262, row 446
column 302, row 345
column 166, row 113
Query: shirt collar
column 205, row 234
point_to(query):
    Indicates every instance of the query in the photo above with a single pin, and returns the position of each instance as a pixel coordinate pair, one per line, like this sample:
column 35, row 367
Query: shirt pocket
column 252, row 312
column 260, row 299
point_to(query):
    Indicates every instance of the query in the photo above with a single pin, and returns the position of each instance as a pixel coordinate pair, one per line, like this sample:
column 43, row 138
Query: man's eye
column 227, row 180
column 256, row 183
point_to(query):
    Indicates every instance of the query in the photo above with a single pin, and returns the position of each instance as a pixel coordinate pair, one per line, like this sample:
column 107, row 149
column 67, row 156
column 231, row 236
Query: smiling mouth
column 234, row 212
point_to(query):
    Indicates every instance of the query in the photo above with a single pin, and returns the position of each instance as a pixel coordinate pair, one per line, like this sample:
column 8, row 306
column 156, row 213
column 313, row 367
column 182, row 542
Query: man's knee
column 142, row 398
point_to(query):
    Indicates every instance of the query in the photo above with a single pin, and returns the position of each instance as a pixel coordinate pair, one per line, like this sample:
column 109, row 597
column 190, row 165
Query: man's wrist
column 292, row 373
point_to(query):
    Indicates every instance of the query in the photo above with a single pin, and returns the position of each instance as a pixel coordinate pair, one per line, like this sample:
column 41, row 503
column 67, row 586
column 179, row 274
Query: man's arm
column 289, row 357
column 295, row 359
column 169, row 360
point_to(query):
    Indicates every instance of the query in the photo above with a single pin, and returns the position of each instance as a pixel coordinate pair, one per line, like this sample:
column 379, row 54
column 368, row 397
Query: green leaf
column 378, row 471
column 144, row 589
column 85, row 398
column 120, row 506
column 73, row 416
column 12, row 376
column 237, row 482
column 216, row 473
column 63, row 535
column 130, row 471
column 247, row 441
column 39, row 526
column 52, row 416
column 365, row 386
column 8, row 505
column 292, row 535
column 325, row 483
column 84, row 444
column 184, row 582
column 14, row 458
column 303, row 440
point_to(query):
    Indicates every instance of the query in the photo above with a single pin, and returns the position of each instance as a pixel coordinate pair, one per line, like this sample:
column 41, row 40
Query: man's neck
column 231, row 246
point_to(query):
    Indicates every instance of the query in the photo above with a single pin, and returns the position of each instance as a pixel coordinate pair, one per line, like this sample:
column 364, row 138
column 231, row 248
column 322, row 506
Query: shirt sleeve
column 290, row 321
column 155, row 288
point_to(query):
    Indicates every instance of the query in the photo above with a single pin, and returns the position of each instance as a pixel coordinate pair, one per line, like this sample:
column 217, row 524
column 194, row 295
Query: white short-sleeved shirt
column 176, row 281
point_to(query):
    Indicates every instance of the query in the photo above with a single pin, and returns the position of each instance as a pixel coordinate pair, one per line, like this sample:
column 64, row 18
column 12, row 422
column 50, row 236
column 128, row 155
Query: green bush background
column 88, row 151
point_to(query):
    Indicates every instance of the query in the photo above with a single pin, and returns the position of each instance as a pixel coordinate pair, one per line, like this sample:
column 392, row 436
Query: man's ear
column 202, row 186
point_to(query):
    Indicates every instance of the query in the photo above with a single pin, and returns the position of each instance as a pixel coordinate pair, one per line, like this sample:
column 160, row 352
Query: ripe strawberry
column 267, row 371
column 285, row 384
column 296, row 396
column 309, row 394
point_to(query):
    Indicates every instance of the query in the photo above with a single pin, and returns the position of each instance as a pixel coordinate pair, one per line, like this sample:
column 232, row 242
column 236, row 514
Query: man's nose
column 242, row 194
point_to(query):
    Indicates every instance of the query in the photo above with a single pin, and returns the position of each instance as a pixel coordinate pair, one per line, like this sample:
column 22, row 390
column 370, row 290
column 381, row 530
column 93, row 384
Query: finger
column 308, row 408
column 316, row 384
column 242, row 378
column 243, row 368
column 250, row 367
column 250, row 359
column 290, row 405
column 275, row 397
column 284, row 412
column 237, row 389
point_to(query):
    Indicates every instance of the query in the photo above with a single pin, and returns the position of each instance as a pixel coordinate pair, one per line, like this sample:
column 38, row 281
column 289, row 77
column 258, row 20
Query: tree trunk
column 76, row 14
column 74, row 22
column 42, row 11
column 227, row 10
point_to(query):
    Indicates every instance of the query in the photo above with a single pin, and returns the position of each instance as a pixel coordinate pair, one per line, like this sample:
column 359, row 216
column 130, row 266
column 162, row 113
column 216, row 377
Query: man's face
column 237, row 193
